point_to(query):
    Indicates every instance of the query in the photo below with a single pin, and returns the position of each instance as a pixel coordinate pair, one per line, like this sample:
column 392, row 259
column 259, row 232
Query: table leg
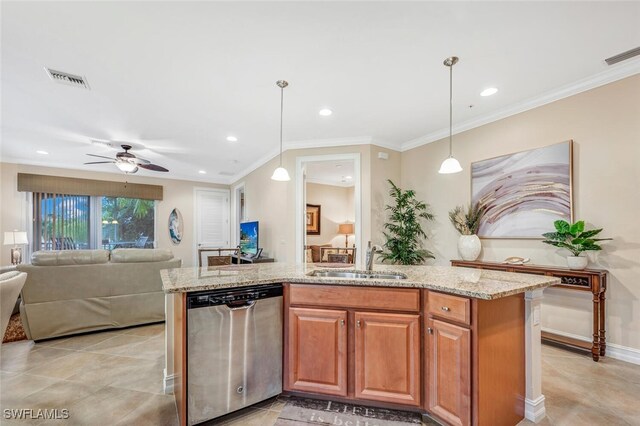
column 603, row 340
column 595, row 349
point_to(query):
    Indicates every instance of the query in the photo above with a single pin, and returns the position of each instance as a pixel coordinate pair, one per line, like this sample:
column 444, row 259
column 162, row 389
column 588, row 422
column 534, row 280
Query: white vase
column 469, row 247
column 577, row 262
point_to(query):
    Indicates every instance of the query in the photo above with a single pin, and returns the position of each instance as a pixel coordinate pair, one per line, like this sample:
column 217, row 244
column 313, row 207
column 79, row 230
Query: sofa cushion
column 315, row 251
column 69, row 257
column 8, row 275
column 140, row 255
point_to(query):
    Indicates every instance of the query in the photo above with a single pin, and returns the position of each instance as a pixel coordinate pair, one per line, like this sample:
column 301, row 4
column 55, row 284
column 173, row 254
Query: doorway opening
column 328, row 209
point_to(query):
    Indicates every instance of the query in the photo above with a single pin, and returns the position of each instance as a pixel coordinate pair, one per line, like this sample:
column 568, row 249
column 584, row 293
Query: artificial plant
column 573, row 237
column 403, row 230
column 467, row 223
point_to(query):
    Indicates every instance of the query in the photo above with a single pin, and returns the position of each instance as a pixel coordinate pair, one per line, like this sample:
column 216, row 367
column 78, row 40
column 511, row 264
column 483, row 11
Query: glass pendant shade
column 280, row 174
column 450, row 165
column 127, row 167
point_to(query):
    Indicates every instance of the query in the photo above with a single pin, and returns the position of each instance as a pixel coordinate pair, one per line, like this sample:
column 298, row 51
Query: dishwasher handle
column 248, row 304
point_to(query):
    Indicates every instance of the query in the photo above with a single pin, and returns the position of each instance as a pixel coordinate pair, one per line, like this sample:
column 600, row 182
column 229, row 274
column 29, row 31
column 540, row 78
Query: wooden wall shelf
column 593, row 280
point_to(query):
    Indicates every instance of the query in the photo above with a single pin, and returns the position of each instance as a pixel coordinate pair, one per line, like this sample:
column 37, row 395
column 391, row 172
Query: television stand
column 240, row 259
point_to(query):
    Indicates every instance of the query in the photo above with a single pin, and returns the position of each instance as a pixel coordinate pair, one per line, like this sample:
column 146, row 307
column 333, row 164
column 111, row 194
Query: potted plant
column 403, row 231
column 467, row 224
column 574, row 238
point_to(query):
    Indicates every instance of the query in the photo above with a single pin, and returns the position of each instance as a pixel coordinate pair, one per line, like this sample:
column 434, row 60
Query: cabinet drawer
column 454, row 308
column 390, row 299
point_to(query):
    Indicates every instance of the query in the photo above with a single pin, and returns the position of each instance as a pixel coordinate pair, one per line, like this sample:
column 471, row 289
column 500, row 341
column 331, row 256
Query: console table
column 246, row 259
column 593, row 280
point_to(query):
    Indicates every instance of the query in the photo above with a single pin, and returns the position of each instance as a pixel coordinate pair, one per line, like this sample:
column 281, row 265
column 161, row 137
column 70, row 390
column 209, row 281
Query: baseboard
column 534, row 409
column 615, row 351
column 168, row 382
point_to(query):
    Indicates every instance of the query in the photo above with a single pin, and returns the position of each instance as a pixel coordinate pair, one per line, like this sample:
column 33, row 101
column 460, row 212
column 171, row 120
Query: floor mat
column 15, row 331
column 303, row 411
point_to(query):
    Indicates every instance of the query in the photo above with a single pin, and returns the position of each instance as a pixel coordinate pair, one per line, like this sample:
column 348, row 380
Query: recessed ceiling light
column 488, row 92
column 42, row 152
column 232, row 139
column 325, row 112
column 348, row 177
column 202, row 172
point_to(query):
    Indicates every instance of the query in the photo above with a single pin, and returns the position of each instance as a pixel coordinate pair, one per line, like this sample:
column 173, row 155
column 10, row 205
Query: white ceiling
column 179, row 77
column 336, row 172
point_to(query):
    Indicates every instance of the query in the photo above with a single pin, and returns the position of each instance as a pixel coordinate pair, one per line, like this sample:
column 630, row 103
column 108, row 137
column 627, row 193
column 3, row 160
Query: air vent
column 623, row 56
column 227, row 173
column 68, row 79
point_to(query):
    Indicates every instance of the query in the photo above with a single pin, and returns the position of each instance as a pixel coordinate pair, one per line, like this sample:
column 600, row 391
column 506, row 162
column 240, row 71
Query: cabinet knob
column 342, row 323
column 445, row 308
column 429, row 330
column 358, row 323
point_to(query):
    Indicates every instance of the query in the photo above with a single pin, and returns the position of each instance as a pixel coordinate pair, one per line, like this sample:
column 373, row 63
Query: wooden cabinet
column 449, row 372
column 339, row 343
column 387, row 357
column 317, row 351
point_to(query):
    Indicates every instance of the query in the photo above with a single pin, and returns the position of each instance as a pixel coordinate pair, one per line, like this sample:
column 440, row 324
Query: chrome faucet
column 371, row 251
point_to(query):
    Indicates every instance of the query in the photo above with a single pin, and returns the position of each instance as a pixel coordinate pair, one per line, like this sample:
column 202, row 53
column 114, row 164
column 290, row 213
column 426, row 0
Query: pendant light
column 281, row 174
column 450, row 165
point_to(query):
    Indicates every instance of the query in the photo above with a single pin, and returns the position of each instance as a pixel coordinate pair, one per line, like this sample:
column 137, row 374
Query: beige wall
column 605, row 126
column 273, row 203
column 177, row 193
column 381, row 170
column 337, row 206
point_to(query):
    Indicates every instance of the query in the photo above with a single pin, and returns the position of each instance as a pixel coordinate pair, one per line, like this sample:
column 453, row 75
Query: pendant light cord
column 281, row 113
column 450, row 109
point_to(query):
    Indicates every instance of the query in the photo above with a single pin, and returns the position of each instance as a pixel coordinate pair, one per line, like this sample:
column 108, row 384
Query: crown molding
column 310, row 144
column 616, row 72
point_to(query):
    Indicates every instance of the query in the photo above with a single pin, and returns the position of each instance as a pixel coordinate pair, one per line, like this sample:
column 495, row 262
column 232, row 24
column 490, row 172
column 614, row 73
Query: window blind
column 60, row 221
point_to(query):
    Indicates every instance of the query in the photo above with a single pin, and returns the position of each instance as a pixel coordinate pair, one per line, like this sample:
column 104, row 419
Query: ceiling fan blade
column 139, row 161
column 100, row 156
column 101, row 162
column 153, row 167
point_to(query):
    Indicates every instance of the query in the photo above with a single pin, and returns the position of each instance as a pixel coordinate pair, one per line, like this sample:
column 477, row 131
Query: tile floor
column 115, row 378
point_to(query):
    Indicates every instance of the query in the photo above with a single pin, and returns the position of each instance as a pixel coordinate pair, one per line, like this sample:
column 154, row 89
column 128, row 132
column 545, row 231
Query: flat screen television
column 249, row 232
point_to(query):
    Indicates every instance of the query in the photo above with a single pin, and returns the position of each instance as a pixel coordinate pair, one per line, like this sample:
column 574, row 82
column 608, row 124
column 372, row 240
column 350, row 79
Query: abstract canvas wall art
column 525, row 192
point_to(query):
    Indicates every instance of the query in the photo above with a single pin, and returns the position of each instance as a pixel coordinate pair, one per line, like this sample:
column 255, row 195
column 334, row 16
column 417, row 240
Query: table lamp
column 15, row 238
column 346, row 229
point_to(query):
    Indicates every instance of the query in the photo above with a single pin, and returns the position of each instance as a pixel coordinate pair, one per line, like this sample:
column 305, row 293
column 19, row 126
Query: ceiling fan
column 127, row 162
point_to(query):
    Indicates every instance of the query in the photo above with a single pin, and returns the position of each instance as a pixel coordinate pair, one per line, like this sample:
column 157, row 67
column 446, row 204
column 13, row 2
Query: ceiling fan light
column 127, row 167
column 450, row 165
column 281, row 175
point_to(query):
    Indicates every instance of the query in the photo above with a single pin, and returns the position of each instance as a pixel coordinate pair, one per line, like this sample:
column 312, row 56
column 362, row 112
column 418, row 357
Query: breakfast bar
column 460, row 345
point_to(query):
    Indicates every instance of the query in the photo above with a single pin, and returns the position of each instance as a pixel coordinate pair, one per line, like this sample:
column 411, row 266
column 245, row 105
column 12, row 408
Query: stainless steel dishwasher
column 234, row 350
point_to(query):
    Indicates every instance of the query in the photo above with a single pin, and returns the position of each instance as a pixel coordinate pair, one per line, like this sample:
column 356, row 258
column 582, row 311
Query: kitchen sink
column 359, row 275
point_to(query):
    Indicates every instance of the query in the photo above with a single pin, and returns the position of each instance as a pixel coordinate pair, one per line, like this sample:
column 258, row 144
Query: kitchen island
column 462, row 345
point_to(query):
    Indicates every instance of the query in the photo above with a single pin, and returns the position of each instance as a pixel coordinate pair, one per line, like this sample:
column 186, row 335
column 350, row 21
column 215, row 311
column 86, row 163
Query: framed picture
column 525, row 192
column 176, row 226
column 313, row 219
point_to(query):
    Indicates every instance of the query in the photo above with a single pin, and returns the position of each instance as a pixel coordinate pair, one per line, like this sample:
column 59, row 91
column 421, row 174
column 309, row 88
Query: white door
column 212, row 218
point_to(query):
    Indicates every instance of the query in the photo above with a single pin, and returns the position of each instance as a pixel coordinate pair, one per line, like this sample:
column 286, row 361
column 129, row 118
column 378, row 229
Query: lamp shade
column 345, row 228
column 12, row 238
column 450, row 165
column 280, row 174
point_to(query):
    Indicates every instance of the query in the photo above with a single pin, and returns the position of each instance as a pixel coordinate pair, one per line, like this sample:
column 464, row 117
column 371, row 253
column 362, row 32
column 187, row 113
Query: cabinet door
column 387, row 357
column 449, row 372
column 317, row 347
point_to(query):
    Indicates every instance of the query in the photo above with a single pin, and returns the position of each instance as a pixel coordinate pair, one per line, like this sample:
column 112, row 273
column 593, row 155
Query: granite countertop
column 476, row 283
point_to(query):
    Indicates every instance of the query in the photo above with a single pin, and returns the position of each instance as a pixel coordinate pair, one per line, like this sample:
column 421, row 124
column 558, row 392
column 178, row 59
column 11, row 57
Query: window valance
column 74, row 186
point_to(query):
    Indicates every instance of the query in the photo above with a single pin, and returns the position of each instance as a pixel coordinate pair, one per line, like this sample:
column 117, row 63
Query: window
column 127, row 222
column 61, row 222
column 73, row 222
